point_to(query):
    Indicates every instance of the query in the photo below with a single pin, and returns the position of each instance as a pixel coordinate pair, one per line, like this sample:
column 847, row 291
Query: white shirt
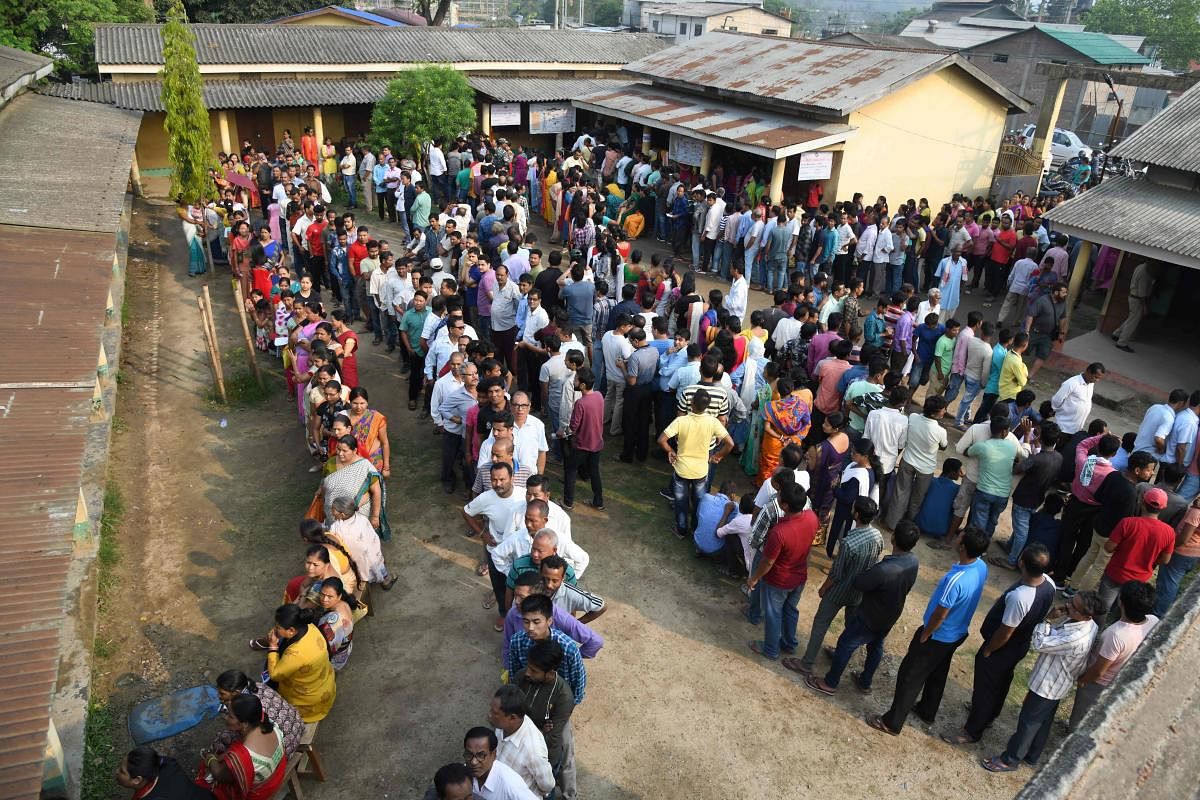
column 504, row 514
column 520, row 543
column 925, row 309
column 925, row 437
column 735, row 302
column 712, row 219
column 528, row 441
column 1072, row 404
column 866, row 243
column 786, row 329
column 887, row 428
column 1018, row 279
column 442, row 387
column 437, row 162
column 754, row 234
column 1062, row 655
column 614, row 346
column 883, row 247
column 534, row 321
column 348, row 164
column 300, row 227
column 502, row 783
column 525, row 751
column 440, row 276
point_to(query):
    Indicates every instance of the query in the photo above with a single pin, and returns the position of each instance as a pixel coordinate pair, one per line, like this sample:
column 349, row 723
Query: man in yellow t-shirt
column 697, row 432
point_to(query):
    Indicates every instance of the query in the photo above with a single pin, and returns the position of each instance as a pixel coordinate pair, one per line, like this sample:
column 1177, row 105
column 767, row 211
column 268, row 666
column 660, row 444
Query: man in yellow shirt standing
column 1013, row 373
column 701, row 440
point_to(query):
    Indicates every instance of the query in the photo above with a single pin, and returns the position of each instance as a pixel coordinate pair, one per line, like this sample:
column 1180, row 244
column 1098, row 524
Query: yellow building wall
column 931, row 139
column 329, row 18
column 750, row 20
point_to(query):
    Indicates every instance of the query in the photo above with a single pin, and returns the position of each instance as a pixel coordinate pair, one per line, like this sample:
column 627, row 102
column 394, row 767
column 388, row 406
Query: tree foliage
column 232, row 11
column 189, row 145
column 64, row 29
column 430, row 102
column 606, row 12
column 1172, row 26
column 893, row 24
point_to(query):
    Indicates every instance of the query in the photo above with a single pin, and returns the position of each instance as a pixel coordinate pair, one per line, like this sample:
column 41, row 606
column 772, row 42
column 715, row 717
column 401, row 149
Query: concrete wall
column 932, row 138
column 745, row 20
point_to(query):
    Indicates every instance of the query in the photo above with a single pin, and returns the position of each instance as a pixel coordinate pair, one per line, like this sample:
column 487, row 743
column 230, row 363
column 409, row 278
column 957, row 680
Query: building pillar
column 1078, row 271
column 318, row 131
column 776, row 189
column 706, row 158
column 135, row 177
column 223, row 126
column 485, row 118
column 1052, row 101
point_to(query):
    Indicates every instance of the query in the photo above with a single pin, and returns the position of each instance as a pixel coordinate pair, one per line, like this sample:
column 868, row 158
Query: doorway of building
column 256, row 125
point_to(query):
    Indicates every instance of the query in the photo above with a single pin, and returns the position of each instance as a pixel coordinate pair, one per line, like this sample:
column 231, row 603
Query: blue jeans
column 755, row 276
column 781, row 613
column 895, row 277
column 1020, row 532
column 754, row 613
column 953, row 384
column 855, row 635
column 985, row 511
column 662, row 226
column 688, row 493
column 919, row 373
column 348, row 182
column 723, row 256
column 971, row 389
column 402, row 221
column 776, row 274
column 696, row 247
column 350, row 298
column 1170, row 575
column 1190, row 487
column 598, row 361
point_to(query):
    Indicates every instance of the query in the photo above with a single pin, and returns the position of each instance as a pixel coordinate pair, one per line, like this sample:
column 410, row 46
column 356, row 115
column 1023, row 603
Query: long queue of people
column 811, row 396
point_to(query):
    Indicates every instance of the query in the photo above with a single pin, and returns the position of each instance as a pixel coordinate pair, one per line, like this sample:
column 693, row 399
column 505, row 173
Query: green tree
column 430, row 102
column 801, row 17
column 606, row 12
column 1171, row 26
column 892, row 24
column 189, row 146
column 64, row 29
column 434, row 11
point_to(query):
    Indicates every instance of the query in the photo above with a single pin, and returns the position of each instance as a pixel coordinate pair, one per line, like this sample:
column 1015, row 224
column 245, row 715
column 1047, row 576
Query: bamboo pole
column 250, row 354
column 212, row 334
column 213, row 357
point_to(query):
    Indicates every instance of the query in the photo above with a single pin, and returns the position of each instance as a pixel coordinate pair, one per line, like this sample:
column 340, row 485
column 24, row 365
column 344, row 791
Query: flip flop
column 876, row 722
column 997, row 764
column 489, row 602
column 482, row 569
column 1002, row 562
column 757, row 646
column 795, row 665
column 813, row 682
column 958, row 739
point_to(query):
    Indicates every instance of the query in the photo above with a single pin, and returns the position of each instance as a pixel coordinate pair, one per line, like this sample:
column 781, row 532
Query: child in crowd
column 934, row 517
column 736, row 535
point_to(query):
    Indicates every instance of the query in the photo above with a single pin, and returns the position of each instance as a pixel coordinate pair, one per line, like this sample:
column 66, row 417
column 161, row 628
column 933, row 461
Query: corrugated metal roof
column 1099, row 47
column 1171, row 138
column 751, row 129
column 87, row 91
column 222, row 94
column 332, row 44
column 36, row 130
column 16, row 64
column 817, row 77
column 890, row 41
column 534, row 90
column 952, row 35
column 1137, row 211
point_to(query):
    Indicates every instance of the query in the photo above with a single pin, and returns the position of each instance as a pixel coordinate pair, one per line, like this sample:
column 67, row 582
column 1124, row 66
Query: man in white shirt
column 1072, row 402
column 444, row 385
column 739, row 293
column 1012, row 312
column 492, row 779
column 529, row 437
column 887, row 428
column 438, row 175
column 712, row 224
column 924, row 439
column 520, row 743
column 492, row 516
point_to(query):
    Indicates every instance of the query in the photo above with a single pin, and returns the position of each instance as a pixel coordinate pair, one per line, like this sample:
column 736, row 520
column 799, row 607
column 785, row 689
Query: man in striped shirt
column 537, row 614
column 1062, row 654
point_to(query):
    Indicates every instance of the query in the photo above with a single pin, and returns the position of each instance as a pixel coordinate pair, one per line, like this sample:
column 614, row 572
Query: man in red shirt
column 315, row 236
column 1138, row 545
column 356, row 253
column 998, row 260
column 783, row 570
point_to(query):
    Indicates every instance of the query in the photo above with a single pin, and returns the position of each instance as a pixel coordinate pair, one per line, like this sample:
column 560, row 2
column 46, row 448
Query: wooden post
column 211, row 326
column 1077, row 275
column 250, row 354
column 214, row 356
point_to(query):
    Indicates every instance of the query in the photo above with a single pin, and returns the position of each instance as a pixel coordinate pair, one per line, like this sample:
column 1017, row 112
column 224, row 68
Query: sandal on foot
column 876, row 722
column 797, row 666
column 387, row 583
column 481, row 570
column 758, row 647
column 489, row 602
column 997, row 764
column 958, row 739
column 817, row 684
column 261, row 643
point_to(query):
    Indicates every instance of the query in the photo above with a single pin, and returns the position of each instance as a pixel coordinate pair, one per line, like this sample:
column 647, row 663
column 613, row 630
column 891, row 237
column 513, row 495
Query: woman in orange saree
column 785, row 421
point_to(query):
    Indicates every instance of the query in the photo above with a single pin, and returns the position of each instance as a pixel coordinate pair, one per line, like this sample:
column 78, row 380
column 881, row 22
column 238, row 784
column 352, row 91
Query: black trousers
column 842, row 265
column 635, row 421
column 664, row 411
column 499, row 584
column 575, row 459
column 922, row 674
column 316, row 268
column 1076, row 538
column 416, row 375
column 389, row 205
column 452, row 459
column 993, row 677
column 985, row 407
column 707, row 247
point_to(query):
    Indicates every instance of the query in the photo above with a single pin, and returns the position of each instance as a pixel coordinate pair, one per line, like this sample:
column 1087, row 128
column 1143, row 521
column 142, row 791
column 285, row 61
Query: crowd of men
column 529, row 357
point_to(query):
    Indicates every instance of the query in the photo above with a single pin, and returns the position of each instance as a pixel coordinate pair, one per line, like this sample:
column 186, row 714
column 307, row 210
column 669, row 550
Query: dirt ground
column 212, row 497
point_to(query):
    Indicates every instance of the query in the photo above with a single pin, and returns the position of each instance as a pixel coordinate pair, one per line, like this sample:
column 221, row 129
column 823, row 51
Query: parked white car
column 1063, row 144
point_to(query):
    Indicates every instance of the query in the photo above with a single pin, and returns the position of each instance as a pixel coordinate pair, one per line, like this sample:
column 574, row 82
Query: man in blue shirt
column 671, row 361
column 713, row 510
column 926, row 665
column 1156, row 426
column 927, row 334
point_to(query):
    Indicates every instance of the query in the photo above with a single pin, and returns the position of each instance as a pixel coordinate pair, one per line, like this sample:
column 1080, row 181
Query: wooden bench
column 304, row 763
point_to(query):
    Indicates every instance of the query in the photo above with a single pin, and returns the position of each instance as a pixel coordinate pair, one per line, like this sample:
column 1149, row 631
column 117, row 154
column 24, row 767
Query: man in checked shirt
column 1062, row 649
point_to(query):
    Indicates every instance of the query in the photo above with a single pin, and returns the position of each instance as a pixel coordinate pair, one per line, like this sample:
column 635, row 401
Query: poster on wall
column 815, row 166
column 686, row 150
column 551, row 117
column 506, row 115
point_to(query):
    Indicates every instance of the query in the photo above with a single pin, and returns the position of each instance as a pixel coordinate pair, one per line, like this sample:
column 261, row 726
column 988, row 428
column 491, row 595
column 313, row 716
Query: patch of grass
column 109, row 554
column 100, row 754
column 119, row 425
column 242, row 390
column 121, row 379
column 103, row 648
column 125, row 314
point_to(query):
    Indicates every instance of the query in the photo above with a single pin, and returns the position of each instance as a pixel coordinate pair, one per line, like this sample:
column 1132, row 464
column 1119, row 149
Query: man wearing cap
column 1137, row 545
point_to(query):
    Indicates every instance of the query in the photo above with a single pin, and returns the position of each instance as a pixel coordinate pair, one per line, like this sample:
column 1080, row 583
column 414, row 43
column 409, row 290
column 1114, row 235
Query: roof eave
column 825, row 114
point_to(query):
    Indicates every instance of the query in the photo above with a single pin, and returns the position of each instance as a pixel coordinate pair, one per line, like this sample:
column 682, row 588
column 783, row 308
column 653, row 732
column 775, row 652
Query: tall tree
column 434, row 11
column 64, row 29
column 1172, row 26
column 422, row 104
column 606, row 12
column 189, row 145
column 894, row 23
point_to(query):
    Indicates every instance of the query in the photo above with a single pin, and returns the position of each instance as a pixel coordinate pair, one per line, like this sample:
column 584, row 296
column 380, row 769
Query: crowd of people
column 526, row 358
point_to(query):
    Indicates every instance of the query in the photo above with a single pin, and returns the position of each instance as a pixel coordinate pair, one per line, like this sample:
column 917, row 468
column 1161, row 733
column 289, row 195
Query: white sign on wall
column 686, row 150
column 815, row 166
column 551, row 117
column 506, row 115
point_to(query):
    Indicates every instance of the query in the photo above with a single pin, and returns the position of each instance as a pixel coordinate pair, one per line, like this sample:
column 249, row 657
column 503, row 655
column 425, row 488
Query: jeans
column 970, row 390
column 722, row 257
column 754, row 612
column 919, row 374
column 985, row 511
column 1169, row 576
column 402, row 221
column 598, row 362
column 777, row 274
column 483, row 326
column 696, row 236
column 909, row 493
column 348, row 181
column 853, row 637
column 1033, row 729
column 952, row 386
column 751, row 255
column 781, row 613
column 688, row 493
column 985, row 407
column 575, row 459
column 894, row 279
column 1020, row 532
column 662, row 228
column 1190, row 487
column 350, row 297
column 375, row 316
column 390, row 329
